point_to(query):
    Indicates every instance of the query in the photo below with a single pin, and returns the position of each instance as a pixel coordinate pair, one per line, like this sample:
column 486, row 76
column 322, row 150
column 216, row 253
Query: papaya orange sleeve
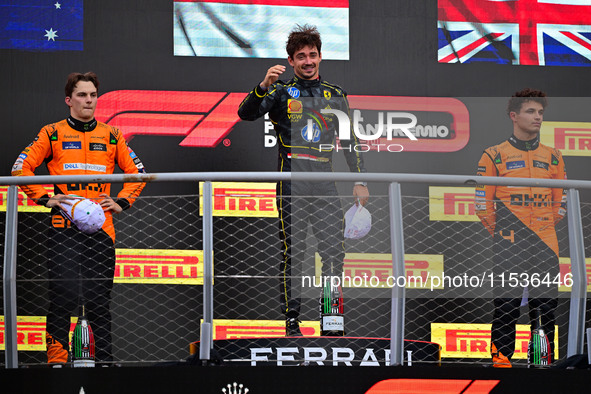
column 484, row 203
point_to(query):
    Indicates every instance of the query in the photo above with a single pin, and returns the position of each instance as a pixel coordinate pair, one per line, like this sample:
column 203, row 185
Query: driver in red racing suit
column 522, row 222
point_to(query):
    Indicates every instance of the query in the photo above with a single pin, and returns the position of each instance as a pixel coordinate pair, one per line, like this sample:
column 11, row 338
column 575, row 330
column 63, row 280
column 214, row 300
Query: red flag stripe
column 468, row 48
column 576, row 39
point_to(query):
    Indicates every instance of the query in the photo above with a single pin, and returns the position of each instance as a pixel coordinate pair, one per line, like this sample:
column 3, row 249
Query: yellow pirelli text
column 159, row 266
column 242, row 199
column 236, row 329
column 572, row 138
column 30, row 332
column 374, row 270
column 566, row 279
column 25, row 204
column 463, row 340
column 452, row 204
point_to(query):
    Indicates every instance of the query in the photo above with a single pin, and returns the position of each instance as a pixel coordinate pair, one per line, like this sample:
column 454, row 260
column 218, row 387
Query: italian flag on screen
column 257, row 28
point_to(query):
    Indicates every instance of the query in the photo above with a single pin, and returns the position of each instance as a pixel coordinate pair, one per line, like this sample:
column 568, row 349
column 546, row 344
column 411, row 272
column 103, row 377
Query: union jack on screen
column 525, row 32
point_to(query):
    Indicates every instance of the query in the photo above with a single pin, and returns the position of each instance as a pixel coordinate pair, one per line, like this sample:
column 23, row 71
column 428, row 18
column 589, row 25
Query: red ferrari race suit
column 72, row 147
column 522, row 222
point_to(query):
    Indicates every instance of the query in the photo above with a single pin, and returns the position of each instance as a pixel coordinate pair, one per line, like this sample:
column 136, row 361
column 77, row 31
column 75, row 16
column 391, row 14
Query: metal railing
column 575, row 230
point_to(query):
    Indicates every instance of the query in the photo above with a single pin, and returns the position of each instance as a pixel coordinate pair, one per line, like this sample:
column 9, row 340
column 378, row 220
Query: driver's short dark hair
column 74, row 78
column 523, row 96
column 302, row 36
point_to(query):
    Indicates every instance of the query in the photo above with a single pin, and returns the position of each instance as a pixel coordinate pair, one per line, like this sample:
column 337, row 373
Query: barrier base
column 266, row 379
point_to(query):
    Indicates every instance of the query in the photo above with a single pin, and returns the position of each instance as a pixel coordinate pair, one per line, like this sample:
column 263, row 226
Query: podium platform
column 181, row 379
column 322, row 351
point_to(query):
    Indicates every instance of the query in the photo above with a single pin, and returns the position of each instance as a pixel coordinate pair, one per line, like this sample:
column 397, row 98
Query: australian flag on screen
column 526, row 32
column 41, row 25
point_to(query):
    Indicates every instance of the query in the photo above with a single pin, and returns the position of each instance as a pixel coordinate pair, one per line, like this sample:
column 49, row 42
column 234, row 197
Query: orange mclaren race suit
column 522, row 222
column 293, row 106
column 72, row 147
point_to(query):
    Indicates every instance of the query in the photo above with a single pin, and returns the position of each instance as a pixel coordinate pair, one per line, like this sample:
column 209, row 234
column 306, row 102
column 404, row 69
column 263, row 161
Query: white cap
column 87, row 215
column 357, row 222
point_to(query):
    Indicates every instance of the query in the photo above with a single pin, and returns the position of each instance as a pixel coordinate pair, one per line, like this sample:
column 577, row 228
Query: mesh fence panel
column 459, row 315
column 157, row 297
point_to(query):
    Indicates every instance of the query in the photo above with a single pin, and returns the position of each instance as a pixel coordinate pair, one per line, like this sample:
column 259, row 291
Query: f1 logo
column 204, row 118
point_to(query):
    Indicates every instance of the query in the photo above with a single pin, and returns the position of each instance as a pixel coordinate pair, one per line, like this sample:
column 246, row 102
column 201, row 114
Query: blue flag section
column 41, row 25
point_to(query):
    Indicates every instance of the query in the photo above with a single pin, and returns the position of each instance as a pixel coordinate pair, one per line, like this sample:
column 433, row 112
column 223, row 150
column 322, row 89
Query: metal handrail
column 578, row 295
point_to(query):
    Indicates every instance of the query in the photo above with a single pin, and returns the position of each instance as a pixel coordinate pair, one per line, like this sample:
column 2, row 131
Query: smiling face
column 528, row 121
column 83, row 100
column 306, row 62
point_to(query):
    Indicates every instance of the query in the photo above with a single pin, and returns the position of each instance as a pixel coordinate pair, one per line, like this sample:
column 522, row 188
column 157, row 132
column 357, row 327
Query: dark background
column 393, row 52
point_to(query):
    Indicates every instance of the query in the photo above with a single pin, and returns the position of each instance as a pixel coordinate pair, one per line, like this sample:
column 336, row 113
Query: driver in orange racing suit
column 522, row 221
column 80, row 265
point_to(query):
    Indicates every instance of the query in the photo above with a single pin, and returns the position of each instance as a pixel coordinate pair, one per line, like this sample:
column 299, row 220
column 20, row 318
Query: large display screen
column 257, row 28
column 524, row 32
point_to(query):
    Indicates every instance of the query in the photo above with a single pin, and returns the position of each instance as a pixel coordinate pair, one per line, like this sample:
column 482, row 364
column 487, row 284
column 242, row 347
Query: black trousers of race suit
column 301, row 203
column 522, row 253
column 81, row 269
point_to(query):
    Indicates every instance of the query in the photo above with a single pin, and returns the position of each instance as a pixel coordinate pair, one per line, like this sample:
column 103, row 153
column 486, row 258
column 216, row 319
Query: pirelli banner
column 159, row 266
column 452, row 204
column 564, row 263
column 237, row 329
column 459, row 340
column 374, row 270
column 242, row 199
column 572, row 138
column 30, row 332
column 25, row 204
column 238, row 199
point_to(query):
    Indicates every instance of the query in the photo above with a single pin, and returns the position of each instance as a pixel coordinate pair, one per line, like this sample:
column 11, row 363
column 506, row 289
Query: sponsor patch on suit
column 513, row 165
column 67, row 145
column 97, row 147
column 541, row 164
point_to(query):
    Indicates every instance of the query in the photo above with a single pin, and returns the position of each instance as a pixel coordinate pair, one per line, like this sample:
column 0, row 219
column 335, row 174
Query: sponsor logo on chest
column 84, row 166
column 514, row 165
